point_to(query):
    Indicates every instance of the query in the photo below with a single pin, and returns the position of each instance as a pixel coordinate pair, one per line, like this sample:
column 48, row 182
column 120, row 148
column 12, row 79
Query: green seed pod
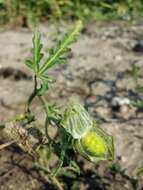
column 76, row 120
column 95, row 145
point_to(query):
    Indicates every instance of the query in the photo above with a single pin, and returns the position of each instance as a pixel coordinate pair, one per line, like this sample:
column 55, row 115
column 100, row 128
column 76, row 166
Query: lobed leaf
column 29, row 63
column 37, row 46
column 57, row 54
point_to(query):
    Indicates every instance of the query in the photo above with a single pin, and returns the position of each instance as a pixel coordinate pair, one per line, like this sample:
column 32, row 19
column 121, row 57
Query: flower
column 89, row 140
column 76, row 120
column 95, row 145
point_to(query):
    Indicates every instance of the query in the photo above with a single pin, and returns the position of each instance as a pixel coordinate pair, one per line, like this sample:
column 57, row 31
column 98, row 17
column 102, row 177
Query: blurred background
column 104, row 71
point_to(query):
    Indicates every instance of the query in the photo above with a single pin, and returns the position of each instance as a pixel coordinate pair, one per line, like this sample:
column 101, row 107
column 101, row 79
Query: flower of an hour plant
column 95, row 145
column 89, row 140
column 76, row 120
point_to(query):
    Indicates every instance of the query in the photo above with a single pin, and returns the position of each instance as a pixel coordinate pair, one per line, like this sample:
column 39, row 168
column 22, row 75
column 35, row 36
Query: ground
column 97, row 72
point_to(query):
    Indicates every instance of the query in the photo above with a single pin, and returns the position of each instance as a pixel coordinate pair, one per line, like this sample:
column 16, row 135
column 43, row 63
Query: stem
column 57, row 183
column 61, row 159
column 52, row 178
column 47, row 120
column 44, row 104
column 62, row 156
column 32, row 96
column 52, row 142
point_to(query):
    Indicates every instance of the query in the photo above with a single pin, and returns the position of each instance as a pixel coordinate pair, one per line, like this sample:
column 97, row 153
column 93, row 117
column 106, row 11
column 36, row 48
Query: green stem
column 62, row 157
column 47, row 120
column 61, row 161
column 48, row 172
column 44, row 104
column 32, row 96
column 52, row 142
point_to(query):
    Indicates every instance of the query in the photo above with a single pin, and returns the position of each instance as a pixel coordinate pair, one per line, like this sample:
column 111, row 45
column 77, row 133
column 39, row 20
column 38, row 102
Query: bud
column 95, row 145
column 76, row 120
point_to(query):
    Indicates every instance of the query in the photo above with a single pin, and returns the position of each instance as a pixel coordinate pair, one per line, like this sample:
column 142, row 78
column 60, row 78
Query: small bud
column 76, row 120
column 95, row 145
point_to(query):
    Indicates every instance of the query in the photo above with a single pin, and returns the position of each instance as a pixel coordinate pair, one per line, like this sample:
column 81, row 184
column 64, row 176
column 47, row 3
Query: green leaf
column 45, row 84
column 44, row 87
column 45, row 78
column 29, row 63
column 75, row 166
column 37, row 46
column 57, row 54
column 138, row 103
column 106, row 5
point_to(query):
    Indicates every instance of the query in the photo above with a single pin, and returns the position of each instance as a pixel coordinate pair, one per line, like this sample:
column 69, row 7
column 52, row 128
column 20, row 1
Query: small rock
column 100, row 88
column 125, row 84
column 118, row 58
column 119, row 101
column 121, row 107
column 103, row 112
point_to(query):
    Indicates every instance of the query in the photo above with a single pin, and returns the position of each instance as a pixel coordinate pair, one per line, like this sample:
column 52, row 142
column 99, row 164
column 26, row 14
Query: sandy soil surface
column 97, row 72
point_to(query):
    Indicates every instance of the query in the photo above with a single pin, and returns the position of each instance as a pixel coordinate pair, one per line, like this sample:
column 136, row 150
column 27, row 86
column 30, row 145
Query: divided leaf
column 57, row 54
column 43, row 88
column 37, row 55
column 37, row 46
column 29, row 63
